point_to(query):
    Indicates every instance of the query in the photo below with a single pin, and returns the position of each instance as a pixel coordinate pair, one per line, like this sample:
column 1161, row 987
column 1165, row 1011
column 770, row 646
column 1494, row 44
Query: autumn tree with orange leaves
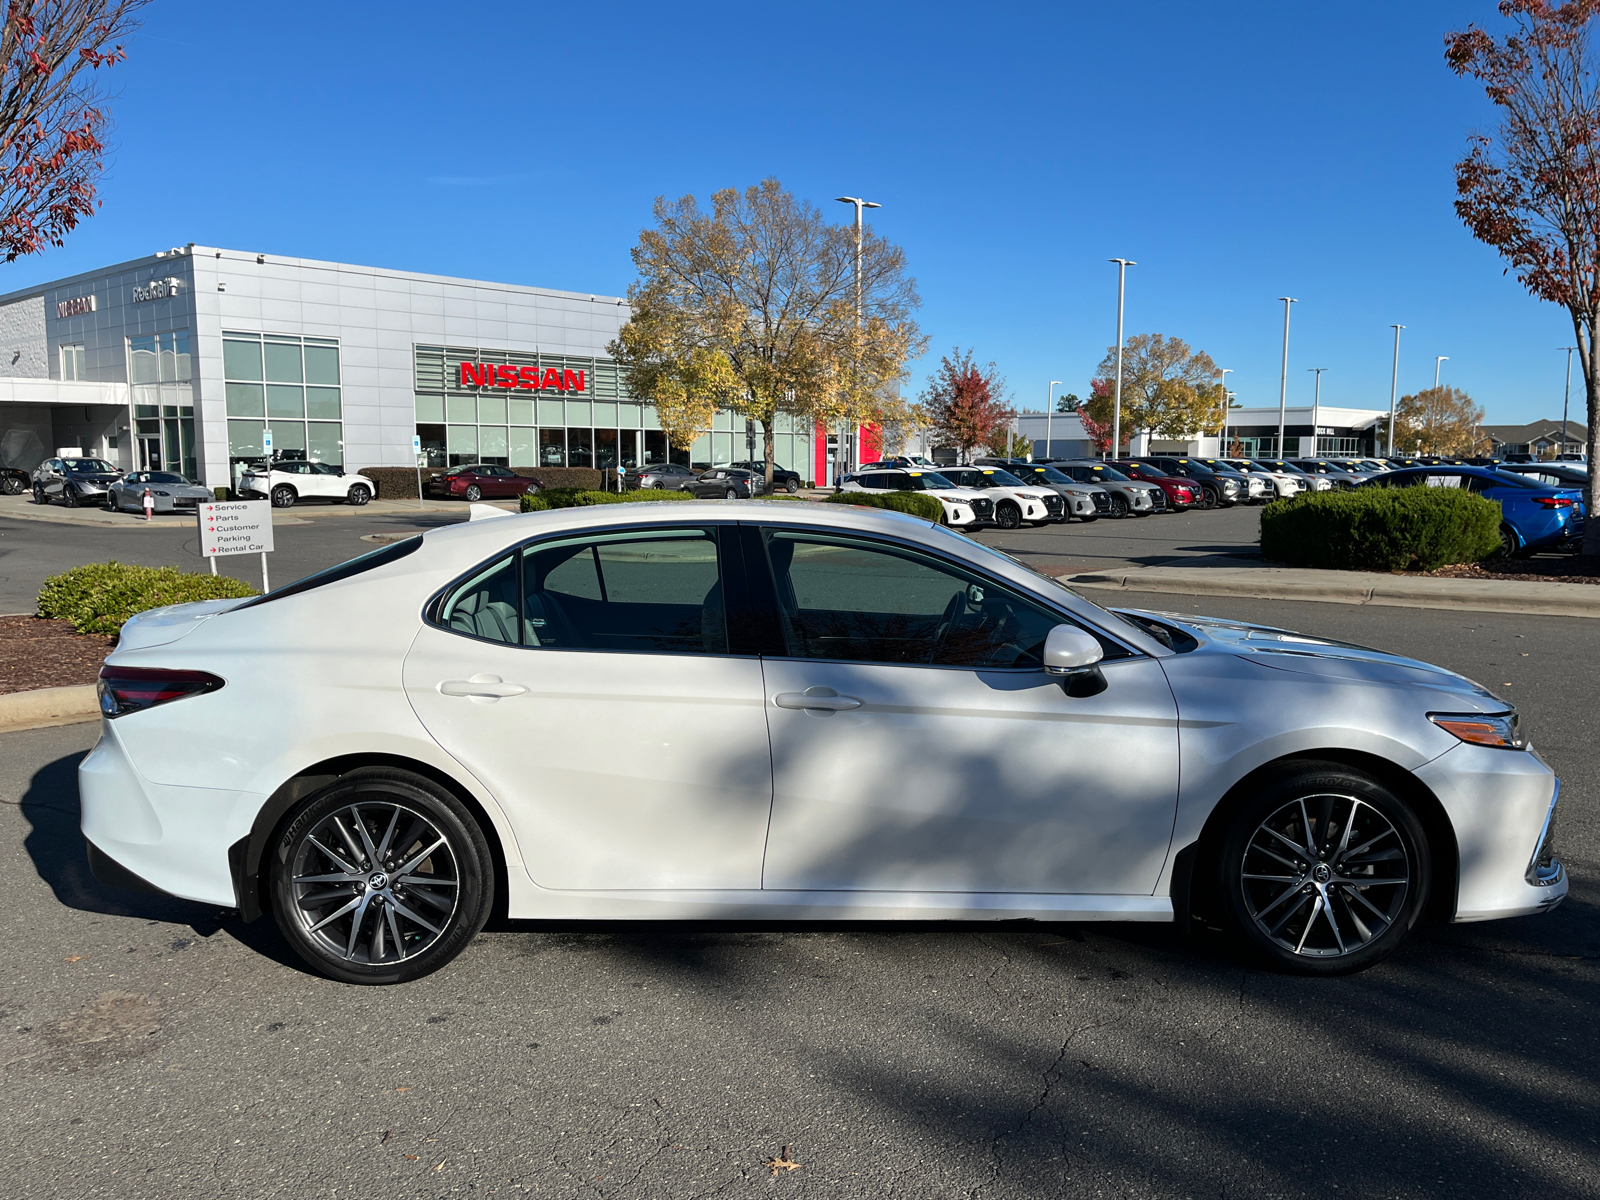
column 52, row 114
column 1532, row 188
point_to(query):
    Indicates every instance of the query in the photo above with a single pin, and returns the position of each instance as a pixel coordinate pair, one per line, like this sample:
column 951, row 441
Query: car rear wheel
column 730, row 494
column 283, row 496
column 1119, row 505
column 358, row 495
column 1324, row 871
column 383, row 877
column 473, row 492
column 793, row 487
column 1510, row 543
column 1008, row 516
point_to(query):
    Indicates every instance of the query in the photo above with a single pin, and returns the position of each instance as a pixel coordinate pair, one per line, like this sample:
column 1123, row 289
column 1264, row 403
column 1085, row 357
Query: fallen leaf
column 77, row 958
column 782, row 1163
column 385, row 1138
column 413, row 1157
column 404, row 1089
column 442, row 1162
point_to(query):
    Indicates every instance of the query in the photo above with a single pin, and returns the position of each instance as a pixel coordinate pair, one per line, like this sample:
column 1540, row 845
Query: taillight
column 1552, row 502
column 132, row 689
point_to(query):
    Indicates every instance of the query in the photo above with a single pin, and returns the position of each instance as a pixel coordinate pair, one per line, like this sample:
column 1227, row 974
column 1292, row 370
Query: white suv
column 964, row 508
column 294, row 479
column 1015, row 502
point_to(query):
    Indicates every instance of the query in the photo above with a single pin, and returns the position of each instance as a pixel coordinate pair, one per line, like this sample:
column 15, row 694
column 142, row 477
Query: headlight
column 1500, row 730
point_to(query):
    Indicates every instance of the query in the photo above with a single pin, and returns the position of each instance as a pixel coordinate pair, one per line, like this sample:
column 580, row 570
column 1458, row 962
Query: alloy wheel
column 1008, row 516
column 374, row 883
column 1119, row 506
column 283, row 496
column 1325, row 875
column 359, row 495
column 474, row 493
column 730, row 494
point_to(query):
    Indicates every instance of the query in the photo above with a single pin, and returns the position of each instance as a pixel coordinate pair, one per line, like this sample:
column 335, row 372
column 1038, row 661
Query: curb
column 1354, row 587
column 48, row 706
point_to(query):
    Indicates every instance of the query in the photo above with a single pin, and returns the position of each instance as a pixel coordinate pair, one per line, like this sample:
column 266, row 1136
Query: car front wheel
column 358, row 495
column 283, row 496
column 382, row 877
column 1008, row 516
column 1119, row 506
column 1324, row 871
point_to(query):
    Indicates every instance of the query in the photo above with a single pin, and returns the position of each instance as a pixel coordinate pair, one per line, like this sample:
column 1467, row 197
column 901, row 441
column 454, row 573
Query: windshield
column 1051, row 475
column 994, row 476
column 923, row 480
column 88, row 466
column 1103, row 474
column 1221, row 468
column 164, row 477
column 1282, row 467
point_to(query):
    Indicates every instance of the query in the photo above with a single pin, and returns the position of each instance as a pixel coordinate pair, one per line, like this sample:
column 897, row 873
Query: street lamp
column 1566, row 397
column 1116, row 402
column 1049, row 417
column 1394, row 387
column 1316, row 405
column 1283, row 382
column 1437, row 359
column 841, row 457
column 1224, row 372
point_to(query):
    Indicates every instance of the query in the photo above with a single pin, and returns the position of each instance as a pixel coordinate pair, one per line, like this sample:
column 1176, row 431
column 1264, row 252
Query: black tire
column 793, row 487
column 359, row 495
column 283, row 496
column 38, row 495
column 1510, row 545
column 68, row 499
column 1119, row 505
column 1208, row 499
column 12, row 485
column 473, row 493
column 1007, row 515
column 394, row 942
column 730, row 494
column 1348, row 826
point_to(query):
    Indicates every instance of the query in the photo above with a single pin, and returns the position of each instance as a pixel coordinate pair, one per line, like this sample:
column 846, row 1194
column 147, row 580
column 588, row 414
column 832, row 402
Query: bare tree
column 1532, row 189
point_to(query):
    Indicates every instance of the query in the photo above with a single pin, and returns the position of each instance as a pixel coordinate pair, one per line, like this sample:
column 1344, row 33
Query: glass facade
column 289, row 385
column 160, row 372
column 599, row 425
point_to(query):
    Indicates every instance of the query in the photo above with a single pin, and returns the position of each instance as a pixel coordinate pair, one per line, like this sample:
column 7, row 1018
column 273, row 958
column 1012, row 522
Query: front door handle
column 819, row 699
column 481, row 687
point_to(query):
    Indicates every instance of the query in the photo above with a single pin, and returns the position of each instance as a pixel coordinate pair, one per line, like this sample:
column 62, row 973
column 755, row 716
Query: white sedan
column 649, row 711
column 294, row 479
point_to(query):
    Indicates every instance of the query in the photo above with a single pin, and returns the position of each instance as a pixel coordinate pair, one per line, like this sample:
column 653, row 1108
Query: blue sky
column 1238, row 152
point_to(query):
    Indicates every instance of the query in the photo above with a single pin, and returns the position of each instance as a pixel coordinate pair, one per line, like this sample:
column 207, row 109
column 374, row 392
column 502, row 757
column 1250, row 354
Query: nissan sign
column 74, row 307
column 504, row 375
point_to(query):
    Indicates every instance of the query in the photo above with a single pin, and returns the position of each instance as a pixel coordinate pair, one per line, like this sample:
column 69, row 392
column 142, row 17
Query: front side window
column 854, row 600
column 650, row 591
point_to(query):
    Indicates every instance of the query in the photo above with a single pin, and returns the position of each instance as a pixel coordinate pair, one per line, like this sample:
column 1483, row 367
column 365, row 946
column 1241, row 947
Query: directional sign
column 235, row 527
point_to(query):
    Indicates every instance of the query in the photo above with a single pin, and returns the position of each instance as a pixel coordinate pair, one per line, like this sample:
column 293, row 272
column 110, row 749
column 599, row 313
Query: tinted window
column 842, row 598
column 88, row 466
column 922, row 481
column 364, row 562
column 655, row 590
column 998, row 478
column 161, row 477
column 486, row 605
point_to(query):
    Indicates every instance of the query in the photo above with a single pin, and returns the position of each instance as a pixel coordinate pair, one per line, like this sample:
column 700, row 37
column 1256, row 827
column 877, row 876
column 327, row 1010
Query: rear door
column 918, row 745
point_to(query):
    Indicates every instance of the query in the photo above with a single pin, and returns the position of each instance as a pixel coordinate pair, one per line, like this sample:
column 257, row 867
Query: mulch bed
column 36, row 653
column 1566, row 568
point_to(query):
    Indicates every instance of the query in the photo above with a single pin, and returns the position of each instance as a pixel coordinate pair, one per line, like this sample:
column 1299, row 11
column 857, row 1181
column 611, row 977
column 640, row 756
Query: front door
column 918, row 745
column 587, row 683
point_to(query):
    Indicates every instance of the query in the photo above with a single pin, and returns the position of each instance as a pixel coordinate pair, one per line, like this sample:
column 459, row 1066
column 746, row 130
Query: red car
column 1181, row 493
column 479, row 482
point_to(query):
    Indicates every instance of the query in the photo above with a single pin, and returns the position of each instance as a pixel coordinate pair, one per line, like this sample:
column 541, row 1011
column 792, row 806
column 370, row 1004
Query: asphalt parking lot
column 154, row 1048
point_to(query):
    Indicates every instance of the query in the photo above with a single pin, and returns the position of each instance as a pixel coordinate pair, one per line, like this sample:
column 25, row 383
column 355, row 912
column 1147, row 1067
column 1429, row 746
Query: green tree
column 754, row 307
column 1162, row 380
column 1068, row 403
column 1442, row 420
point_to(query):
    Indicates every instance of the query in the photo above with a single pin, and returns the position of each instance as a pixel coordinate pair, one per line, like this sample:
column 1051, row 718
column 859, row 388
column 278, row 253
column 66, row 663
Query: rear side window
column 345, row 570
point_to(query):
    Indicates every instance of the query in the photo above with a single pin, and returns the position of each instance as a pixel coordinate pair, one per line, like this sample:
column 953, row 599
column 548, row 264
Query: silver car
column 1128, row 497
column 170, row 493
column 1316, row 798
column 73, row 481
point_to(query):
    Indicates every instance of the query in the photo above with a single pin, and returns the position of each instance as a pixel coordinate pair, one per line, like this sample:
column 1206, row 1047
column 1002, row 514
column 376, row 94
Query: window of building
column 160, row 381
column 290, row 385
column 73, row 364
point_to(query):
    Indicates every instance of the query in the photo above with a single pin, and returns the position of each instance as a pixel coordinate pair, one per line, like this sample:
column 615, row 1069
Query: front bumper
column 1501, row 805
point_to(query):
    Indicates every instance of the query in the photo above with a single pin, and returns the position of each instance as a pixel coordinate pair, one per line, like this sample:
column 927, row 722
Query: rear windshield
column 355, row 566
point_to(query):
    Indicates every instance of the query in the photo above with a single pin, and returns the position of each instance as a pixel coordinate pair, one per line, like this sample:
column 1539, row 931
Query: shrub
column 582, row 498
column 917, row 504
column 1381, row 529
column 99, row 597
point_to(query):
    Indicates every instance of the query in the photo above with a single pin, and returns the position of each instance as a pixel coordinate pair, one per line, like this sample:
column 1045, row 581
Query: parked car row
column 79, row 482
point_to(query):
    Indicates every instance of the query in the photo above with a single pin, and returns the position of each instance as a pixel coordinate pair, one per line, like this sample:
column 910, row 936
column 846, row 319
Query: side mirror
column 1068, row 649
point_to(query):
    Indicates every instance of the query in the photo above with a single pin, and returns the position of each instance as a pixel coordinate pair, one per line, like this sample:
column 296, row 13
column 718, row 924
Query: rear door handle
column 821, row 699
column 481, row 687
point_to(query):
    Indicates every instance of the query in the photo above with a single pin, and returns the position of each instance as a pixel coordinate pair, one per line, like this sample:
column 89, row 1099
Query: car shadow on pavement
column 60, row 855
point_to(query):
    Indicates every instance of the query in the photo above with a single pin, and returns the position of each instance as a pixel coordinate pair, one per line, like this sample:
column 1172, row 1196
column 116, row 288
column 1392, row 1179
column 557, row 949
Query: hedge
column 400, row 483
column 582, row 498
column 917, row 504
column 1381, row 529
column 99, row 597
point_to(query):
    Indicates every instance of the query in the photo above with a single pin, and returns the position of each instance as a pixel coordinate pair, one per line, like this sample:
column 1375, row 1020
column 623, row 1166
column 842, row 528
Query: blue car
column 1534, row 515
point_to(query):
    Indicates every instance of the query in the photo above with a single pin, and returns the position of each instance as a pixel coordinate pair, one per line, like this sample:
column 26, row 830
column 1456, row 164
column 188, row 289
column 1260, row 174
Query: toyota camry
column 632, row 713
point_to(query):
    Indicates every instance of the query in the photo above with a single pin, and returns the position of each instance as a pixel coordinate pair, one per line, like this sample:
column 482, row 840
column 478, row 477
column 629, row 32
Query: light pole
column 1316, row 405
column 1565, row 399
column 1049, row 417
column 1437, row 359
column 1116, row 401
column 841, row 457
column 1224, row 372
column 1394, row 387
column 1283, row 382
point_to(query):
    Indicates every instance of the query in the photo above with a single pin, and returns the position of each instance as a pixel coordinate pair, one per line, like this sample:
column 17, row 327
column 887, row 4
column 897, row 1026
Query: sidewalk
column 22, row 508
column 1354, row 587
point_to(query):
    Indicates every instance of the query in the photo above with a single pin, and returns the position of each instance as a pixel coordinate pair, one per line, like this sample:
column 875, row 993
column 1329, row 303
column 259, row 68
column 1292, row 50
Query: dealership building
column 186, row 359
